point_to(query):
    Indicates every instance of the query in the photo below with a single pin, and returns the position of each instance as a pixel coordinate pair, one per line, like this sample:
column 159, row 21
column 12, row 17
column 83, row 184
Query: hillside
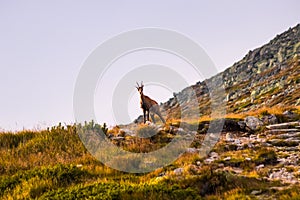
column 266, row 76
column 255, row 157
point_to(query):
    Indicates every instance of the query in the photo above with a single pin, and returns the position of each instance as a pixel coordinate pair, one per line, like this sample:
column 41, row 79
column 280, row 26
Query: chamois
column 148, row 105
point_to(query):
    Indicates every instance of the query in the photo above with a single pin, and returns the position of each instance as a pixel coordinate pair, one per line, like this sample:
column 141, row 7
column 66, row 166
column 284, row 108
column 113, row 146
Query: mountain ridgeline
column 266, row 76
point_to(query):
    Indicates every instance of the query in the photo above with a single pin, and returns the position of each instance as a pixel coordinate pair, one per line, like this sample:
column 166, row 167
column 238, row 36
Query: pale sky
column 43, row 44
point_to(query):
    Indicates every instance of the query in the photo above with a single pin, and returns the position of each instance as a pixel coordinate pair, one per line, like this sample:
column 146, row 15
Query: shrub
column 266, row 156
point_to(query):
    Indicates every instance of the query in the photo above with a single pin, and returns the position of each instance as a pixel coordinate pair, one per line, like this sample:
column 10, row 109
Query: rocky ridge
column 266, row 76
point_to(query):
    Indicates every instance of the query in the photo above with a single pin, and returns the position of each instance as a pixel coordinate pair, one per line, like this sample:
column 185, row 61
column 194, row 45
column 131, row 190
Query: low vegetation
column 54, row 164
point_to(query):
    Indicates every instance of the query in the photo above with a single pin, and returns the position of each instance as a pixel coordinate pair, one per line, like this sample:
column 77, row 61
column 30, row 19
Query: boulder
column 269, row 119
column 253, row 123
column 290, row 114
column 286, row 125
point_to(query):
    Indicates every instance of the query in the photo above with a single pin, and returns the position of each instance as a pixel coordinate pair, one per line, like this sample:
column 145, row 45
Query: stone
column 227, row 158
column 283, row 175
column 149, row 123
column 290, row 130
column 297, row 103
column 288, row 135
column 191, row 150
column 237, row 142
column 253, row 123
column 256, row 192
column 214, row 155
column 259, row 166
column 118, row 138
column 221, row 165
column 290, row 114
column 242, row 124
column 209, row 160
column 269, row 119
column 229, row 137
column 283, row 125
column 178, row 171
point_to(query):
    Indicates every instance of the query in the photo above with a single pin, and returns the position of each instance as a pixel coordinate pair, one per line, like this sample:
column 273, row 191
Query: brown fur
column 149, row 105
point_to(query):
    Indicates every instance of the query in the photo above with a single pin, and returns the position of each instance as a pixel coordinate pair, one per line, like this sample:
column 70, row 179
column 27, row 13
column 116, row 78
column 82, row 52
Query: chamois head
column 140, row 87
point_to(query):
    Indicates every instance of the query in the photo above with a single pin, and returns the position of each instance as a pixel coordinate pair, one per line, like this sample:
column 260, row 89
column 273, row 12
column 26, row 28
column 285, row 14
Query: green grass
column 54, row 164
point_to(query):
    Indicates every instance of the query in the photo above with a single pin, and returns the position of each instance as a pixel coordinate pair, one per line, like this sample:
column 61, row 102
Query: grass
column 54, row 164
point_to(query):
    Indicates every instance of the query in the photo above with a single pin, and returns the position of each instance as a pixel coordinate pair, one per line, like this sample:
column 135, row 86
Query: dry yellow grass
column 276, row 110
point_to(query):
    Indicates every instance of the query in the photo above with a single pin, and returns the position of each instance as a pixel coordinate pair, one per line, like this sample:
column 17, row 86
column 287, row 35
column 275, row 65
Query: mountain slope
column 266, row 76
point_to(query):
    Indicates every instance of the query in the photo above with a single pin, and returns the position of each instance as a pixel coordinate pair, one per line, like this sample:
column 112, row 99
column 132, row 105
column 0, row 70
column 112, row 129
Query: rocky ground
column 263, row 147
column 266, row 76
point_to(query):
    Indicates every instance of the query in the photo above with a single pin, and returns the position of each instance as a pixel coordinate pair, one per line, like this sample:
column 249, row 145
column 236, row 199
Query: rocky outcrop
column 253, row 123
column 266, row 76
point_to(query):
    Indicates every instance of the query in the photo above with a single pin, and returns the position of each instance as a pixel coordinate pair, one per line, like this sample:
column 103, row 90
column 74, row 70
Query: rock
column 191, row 150
column 235, row 170
column 221, row 165
column 288, row 135
column 242, row 124
column 227, row 158
column 288, row 148
column 149, row 123
column 265, row 144
column 259, row 166
column 291, row 160
column 178, row 171
column 256, row 192
column 283, row 125
column 269, row 119
column 283, row 175
column 253, row 123
column 290, row 130
column 237, row 142
column 248, row 159
column 209, row 160
column 250, row 145
column 118, row 138
column 290, row 114
column 229, row 137
column 283, row 143
column 297, row 103
column 214, row 155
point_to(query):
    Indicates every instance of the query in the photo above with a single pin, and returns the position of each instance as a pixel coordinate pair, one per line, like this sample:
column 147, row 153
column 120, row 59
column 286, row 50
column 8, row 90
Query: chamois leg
column 144, row 111
column 152, row 117
column 148, row 112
